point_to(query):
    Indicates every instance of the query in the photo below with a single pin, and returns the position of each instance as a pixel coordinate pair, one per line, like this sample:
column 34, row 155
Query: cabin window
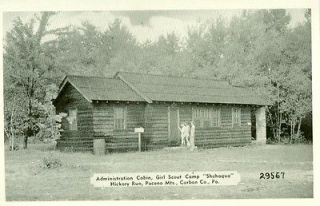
column 120, row 118
column 215, row 117
column 72, row 119
column 236, row 117
column 205, row 117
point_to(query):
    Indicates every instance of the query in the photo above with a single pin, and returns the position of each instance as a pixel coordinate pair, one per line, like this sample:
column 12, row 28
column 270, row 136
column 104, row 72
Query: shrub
column 286, row 139
column 271, row 141
column 51, row 162
column 299, row 139
column 15, row 147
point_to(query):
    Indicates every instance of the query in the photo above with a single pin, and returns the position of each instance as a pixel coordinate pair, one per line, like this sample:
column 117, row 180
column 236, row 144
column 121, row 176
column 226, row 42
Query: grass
column 26, row 180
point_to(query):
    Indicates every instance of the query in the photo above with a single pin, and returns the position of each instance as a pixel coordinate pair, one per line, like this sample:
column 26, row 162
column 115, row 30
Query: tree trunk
column 279, row 126
column 28, row 134
column 25, row 142
column 294, row 128
column 11, row 126
column 291, row 131
column 29, row 129
column 272, row 124
column 299, row 126
column 12, row 135
column 9, row 137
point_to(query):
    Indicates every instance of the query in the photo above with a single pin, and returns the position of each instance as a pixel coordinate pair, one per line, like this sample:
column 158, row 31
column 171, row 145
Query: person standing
column 187, row 134
column 192, row 135
column 182, row 132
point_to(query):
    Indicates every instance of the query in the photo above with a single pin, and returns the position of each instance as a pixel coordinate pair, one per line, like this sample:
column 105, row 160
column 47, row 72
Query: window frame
column 215, row 112
column 124, row 113
column 236, row 115
column 204, row 114
column 74, row 125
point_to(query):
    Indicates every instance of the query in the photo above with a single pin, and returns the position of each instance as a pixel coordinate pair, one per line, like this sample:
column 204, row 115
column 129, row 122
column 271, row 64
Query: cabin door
column 173, row 120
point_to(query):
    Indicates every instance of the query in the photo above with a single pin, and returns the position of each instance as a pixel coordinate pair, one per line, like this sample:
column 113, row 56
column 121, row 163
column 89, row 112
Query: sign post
column 139, row 131
column 139, row 134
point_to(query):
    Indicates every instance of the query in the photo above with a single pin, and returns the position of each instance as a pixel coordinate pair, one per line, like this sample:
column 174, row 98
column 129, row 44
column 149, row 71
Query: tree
column 258, row 49
column 297, row 99
column 29, row 66
column 85, row 50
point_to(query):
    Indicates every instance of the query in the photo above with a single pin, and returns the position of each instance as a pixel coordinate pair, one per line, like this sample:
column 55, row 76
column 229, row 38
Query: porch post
column 261, row 129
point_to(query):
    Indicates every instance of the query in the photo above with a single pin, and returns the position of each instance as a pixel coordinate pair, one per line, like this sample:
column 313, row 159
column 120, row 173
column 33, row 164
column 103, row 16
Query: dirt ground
column 27, row 180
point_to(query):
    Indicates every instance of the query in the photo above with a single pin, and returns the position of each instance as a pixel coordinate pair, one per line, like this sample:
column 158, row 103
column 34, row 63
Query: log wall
column 82, row 138
column 226, row 134
column 156, row 126
column 103, row 125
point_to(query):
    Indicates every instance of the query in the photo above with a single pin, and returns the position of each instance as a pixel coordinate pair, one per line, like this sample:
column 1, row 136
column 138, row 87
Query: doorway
column 173, row 121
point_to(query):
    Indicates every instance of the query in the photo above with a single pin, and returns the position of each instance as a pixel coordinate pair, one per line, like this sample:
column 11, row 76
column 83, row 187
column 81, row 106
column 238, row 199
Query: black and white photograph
column 158, row 104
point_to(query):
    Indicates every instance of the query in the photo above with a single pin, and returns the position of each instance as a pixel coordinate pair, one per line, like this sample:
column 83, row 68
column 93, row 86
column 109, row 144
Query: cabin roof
column 126, row 86
column 181, row 89
column 101, row 88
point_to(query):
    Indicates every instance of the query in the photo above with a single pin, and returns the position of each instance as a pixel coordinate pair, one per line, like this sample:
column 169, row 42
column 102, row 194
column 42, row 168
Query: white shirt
column 187, row 131
column 192, row 130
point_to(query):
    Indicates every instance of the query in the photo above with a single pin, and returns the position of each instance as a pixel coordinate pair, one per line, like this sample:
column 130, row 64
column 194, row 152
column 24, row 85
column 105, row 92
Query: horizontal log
column 123, row 137
column 89, row 143
column 220, row 137
column 221, row 145
column 223, row 141
column 118, row 146
column 76, row 139
column 230, row 131
column 117, row 141
column 87, row 111
column 76, row 142
column 158, row 136
column 223, row 134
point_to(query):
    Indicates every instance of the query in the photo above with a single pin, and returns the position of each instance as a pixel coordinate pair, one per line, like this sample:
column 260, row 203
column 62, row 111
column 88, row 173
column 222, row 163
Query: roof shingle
column 101, row 88
column 180, row 89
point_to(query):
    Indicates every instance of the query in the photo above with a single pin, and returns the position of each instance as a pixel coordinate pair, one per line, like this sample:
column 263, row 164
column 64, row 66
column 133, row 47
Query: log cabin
column 108, row 109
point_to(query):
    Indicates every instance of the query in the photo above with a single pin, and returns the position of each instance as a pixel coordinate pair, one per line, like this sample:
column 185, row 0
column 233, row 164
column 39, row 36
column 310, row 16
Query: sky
column 144, row 25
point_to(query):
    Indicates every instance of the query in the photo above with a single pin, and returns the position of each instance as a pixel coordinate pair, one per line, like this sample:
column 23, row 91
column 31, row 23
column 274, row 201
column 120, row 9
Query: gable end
column 62, row 90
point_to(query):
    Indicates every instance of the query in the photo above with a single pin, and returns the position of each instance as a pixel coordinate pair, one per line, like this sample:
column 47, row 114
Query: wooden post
column 261, row 134
column 139, row 131
column 99, row 146
column 139, row 134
